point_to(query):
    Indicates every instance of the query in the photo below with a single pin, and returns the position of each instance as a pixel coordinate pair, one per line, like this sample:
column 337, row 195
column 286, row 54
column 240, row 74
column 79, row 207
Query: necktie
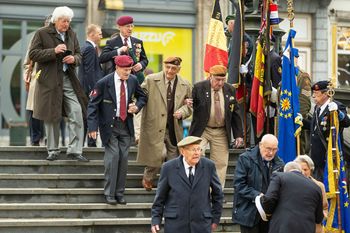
column 126, row 41
column 168, row 94
column 122, row 113
column 65, row 67
column 318, row 111
column 218, row 115
column 266, row 169
column 190, row 175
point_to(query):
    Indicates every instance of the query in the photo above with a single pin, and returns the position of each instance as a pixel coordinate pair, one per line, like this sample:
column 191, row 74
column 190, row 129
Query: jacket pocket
column 170, row 214
column 107, row 101
column 207, row 215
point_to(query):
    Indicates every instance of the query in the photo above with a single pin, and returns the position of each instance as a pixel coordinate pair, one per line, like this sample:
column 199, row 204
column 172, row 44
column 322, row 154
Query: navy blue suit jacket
column 110, row 51
column 188, row 208
column 89, row 70
column 102, row 106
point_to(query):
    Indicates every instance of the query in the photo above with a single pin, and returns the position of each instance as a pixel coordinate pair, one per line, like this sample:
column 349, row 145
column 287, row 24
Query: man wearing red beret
column 125, row 44
column 111, row 108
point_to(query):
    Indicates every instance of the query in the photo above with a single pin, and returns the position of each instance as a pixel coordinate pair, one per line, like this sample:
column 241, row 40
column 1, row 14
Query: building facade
column 168, row 28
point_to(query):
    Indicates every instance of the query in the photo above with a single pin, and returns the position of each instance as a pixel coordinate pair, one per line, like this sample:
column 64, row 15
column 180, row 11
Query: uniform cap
column 218, row 70
column 173, row 60
column 229, row 17
column 123, row 61
column 320, row 86
column 189, row 141
column 124, row 20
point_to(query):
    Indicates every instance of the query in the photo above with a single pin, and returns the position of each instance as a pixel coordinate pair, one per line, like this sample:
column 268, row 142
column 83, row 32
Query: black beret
column 320, row 86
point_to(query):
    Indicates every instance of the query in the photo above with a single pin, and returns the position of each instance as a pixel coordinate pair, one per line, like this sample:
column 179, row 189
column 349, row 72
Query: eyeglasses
column 270, row 149
column 194, row 150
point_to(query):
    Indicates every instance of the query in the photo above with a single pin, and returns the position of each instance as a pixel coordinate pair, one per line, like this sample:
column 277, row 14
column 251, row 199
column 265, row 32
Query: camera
column 67, row 52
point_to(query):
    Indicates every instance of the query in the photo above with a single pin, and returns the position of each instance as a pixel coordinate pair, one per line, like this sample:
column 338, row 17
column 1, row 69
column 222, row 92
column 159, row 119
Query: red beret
column 124, row 20
column 123, row 61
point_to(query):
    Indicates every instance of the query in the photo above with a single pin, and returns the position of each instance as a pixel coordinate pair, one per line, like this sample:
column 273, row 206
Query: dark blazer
column 295, row 203
column 89, row 70
column 249, row 182
column 110, row 51
column 319, row 130
column 201, row 95
column 187, row 208
column 103, row 105
column 276, row 68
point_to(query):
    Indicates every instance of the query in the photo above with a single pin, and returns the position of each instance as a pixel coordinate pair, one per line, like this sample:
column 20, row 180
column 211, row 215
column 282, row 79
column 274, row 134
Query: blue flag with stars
column 332, row 224
column 289, row 122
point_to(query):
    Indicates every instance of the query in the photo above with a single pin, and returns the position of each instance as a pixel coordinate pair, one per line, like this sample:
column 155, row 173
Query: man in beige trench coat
column 161, row 123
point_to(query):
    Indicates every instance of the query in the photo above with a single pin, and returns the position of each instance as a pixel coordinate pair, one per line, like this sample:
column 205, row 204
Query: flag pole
column 336, row 165
column 268, row 60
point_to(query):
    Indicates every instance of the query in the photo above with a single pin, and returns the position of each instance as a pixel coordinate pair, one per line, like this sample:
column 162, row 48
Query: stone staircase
column 67, row 196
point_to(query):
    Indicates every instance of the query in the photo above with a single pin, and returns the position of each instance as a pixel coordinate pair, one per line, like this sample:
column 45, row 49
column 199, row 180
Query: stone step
column 78, row 195
column 83, row 210
column 40, row 153
column 15, row 166
column 71, row 180
column 99, row 225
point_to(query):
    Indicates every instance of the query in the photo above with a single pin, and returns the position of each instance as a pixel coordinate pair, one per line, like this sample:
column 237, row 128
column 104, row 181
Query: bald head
column 268, row 147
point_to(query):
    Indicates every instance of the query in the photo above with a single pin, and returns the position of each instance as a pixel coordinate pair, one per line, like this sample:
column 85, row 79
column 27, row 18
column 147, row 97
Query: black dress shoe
column 77, row 157
column 121, row 200
column 111, row 200
column 52, row 156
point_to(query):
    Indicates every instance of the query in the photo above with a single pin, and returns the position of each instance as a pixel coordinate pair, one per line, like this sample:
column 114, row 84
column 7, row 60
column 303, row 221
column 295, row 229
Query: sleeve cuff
column 260, row 208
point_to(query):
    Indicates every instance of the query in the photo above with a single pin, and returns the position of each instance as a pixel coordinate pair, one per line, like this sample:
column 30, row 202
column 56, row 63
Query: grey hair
column 305, row 159
column 290, row 166
column 62, row 11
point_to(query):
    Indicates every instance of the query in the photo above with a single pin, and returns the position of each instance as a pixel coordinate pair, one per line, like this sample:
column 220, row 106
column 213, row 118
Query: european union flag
column 332, row 223
column 289, row 104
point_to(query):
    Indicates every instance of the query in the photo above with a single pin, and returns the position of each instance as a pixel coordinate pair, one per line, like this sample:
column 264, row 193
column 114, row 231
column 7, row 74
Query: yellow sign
column 161, row 43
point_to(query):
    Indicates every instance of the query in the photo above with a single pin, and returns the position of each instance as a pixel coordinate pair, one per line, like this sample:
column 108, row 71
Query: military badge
column 93, row 93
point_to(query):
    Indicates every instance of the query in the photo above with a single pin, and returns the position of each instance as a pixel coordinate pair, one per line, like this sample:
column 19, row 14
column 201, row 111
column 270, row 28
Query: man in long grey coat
column 161, row 125
column 189, row 193
column 56, row 51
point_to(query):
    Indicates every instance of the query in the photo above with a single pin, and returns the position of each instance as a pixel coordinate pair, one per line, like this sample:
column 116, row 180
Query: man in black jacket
column 252, row 178
column 319, row 125
column 124, row 44
column 293, row 201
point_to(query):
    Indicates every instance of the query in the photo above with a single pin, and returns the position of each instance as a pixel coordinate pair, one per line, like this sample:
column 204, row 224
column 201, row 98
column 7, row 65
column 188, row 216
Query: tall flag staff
column 215, row 48
column 335, row 178
column 268, row 62
column 235, row 60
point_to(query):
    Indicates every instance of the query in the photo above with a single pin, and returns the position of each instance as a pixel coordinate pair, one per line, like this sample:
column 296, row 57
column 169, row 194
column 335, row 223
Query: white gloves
column 300, row 116
column 243, row 69
column 274, row 96
column 332, row 107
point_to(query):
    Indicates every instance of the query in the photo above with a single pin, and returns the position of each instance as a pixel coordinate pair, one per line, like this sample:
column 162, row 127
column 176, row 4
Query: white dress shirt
column 187, row 168
column 117, row 83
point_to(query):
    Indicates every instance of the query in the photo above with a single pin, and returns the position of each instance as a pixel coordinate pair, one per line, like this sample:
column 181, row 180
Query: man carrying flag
column 289, row 119
column 215, row 48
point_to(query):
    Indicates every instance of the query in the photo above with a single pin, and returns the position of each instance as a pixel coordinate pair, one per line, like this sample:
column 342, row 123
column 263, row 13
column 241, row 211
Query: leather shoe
column 77, row 157
column 111, row 200
column 147, row 184
column 52, row 156
column 121, row 200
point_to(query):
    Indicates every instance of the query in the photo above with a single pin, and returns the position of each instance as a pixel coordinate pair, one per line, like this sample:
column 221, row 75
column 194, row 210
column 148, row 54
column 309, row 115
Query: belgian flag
column 215, row 48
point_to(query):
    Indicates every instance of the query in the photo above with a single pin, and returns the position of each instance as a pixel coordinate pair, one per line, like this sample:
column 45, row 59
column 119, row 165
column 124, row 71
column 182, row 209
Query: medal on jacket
column 324, row 123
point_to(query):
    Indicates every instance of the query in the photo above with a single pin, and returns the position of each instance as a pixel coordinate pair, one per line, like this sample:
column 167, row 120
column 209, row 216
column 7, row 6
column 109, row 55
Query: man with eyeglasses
column 215, row 113
column 124, row 44
column 169, row 103
column 252, row 177
column 189, row 194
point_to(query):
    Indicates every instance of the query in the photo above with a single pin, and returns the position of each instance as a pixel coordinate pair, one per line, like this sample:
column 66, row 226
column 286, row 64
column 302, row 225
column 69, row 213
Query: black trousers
column 36, row 128
column 261, row 227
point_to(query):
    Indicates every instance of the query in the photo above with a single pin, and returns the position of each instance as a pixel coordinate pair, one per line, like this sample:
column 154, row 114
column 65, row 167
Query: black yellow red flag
column 215, row 48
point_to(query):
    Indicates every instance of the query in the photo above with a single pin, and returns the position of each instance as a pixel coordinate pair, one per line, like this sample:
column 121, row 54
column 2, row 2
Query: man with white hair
column 252, row 177
column 56, row 51
column 293, row 202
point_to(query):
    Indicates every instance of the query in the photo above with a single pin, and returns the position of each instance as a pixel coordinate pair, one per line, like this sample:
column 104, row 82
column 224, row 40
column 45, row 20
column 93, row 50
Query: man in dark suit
column 252, row 177
column 320, row 125
column 189, row 194
column 111, row 109
column 293, row 201
column 215, row 113
column 90, row 70
column 124, row 44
